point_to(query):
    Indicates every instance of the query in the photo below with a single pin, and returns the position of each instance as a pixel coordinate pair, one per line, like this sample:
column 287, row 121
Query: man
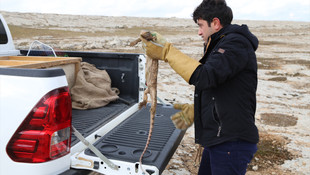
column 225, row 81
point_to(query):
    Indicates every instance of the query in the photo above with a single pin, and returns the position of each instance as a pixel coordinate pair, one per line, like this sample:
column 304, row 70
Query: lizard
column 151, row 72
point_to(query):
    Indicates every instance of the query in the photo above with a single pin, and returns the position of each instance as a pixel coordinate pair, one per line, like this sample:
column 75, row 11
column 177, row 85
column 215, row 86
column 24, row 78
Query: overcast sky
column 287, row 10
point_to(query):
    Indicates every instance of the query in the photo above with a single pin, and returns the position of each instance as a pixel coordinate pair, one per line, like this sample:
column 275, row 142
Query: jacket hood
column 242, row 30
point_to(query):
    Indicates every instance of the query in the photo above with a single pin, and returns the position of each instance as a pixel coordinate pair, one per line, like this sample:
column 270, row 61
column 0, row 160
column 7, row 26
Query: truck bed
column 123, row 71
column 126, row 141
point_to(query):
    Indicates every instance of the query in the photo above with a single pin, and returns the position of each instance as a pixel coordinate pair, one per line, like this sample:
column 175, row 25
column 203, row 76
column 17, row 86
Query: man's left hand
column 154, row 49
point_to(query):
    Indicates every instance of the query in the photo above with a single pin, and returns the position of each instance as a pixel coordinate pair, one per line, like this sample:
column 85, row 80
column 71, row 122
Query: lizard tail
column 144, row 151
column 153, row 111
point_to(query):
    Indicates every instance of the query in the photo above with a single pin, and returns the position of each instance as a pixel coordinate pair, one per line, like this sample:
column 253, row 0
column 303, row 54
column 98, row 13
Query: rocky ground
column 283, row 100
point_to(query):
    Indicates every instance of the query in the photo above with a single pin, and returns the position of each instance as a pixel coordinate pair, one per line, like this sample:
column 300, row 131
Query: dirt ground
column 283, row 100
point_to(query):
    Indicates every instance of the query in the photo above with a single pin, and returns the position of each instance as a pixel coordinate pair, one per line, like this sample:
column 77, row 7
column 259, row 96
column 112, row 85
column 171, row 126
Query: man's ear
column 217, row 24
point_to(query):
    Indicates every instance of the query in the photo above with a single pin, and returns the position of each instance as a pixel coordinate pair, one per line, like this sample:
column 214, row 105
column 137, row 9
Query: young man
column 225, row 81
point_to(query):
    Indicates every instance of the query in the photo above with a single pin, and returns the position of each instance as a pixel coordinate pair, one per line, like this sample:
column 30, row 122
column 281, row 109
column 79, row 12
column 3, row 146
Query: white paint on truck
column 15, row 104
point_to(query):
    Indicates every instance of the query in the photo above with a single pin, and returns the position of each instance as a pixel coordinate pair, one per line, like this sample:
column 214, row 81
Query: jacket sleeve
column 224, row 62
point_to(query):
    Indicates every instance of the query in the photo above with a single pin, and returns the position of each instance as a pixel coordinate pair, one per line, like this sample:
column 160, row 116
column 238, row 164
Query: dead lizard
column 151, row 72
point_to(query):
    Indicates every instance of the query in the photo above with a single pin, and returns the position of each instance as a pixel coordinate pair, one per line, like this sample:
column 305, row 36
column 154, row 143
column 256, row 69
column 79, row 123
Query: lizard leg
column 144, row 102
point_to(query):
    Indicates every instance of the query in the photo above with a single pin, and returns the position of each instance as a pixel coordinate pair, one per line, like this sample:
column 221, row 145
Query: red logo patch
column 221, row 50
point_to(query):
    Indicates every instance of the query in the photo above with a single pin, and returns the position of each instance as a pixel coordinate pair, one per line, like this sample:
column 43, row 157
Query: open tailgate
column 124, row 144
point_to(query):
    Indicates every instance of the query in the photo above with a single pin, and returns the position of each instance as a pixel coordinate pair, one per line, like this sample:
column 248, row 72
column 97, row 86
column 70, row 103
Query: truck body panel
column 6, row 42
column 16, row 101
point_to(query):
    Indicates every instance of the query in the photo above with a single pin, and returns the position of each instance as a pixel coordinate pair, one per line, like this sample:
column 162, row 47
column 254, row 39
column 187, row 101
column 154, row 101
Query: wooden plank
column 4, row 58
column 36, row 62
column 39, row 58
column 46, row 64
column 36, row 58
column 71, row 65
column 14, row 63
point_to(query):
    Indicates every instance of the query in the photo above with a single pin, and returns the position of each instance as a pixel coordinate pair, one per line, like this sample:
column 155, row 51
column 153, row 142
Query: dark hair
column 209, row 9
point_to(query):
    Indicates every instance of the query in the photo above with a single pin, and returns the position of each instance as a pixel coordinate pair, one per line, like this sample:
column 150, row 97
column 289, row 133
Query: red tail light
column 45, row 134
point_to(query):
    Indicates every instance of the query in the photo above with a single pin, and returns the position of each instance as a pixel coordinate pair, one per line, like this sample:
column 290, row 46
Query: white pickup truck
column 36, row 118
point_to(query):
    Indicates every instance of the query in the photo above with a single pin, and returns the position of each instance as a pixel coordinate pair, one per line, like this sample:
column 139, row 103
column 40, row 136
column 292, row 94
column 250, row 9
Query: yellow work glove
column 154, row 48
column 162, row 50
column 185, row 118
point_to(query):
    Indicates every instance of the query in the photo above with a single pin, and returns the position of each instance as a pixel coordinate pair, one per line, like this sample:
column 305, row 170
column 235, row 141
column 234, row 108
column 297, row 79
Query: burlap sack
column 92, row 88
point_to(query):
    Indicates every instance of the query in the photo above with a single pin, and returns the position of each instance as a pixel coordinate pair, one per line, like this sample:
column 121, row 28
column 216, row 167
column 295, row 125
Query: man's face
column 205, row 31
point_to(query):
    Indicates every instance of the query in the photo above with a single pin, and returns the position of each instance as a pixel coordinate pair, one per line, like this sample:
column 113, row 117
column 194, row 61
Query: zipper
column 219, row 131
column 219, row 119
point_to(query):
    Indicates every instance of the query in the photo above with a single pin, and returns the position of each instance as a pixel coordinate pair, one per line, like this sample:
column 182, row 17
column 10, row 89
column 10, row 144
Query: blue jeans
column 229, row 158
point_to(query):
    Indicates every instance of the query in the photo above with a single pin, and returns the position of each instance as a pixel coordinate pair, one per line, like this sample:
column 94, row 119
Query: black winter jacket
column 225, row 88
